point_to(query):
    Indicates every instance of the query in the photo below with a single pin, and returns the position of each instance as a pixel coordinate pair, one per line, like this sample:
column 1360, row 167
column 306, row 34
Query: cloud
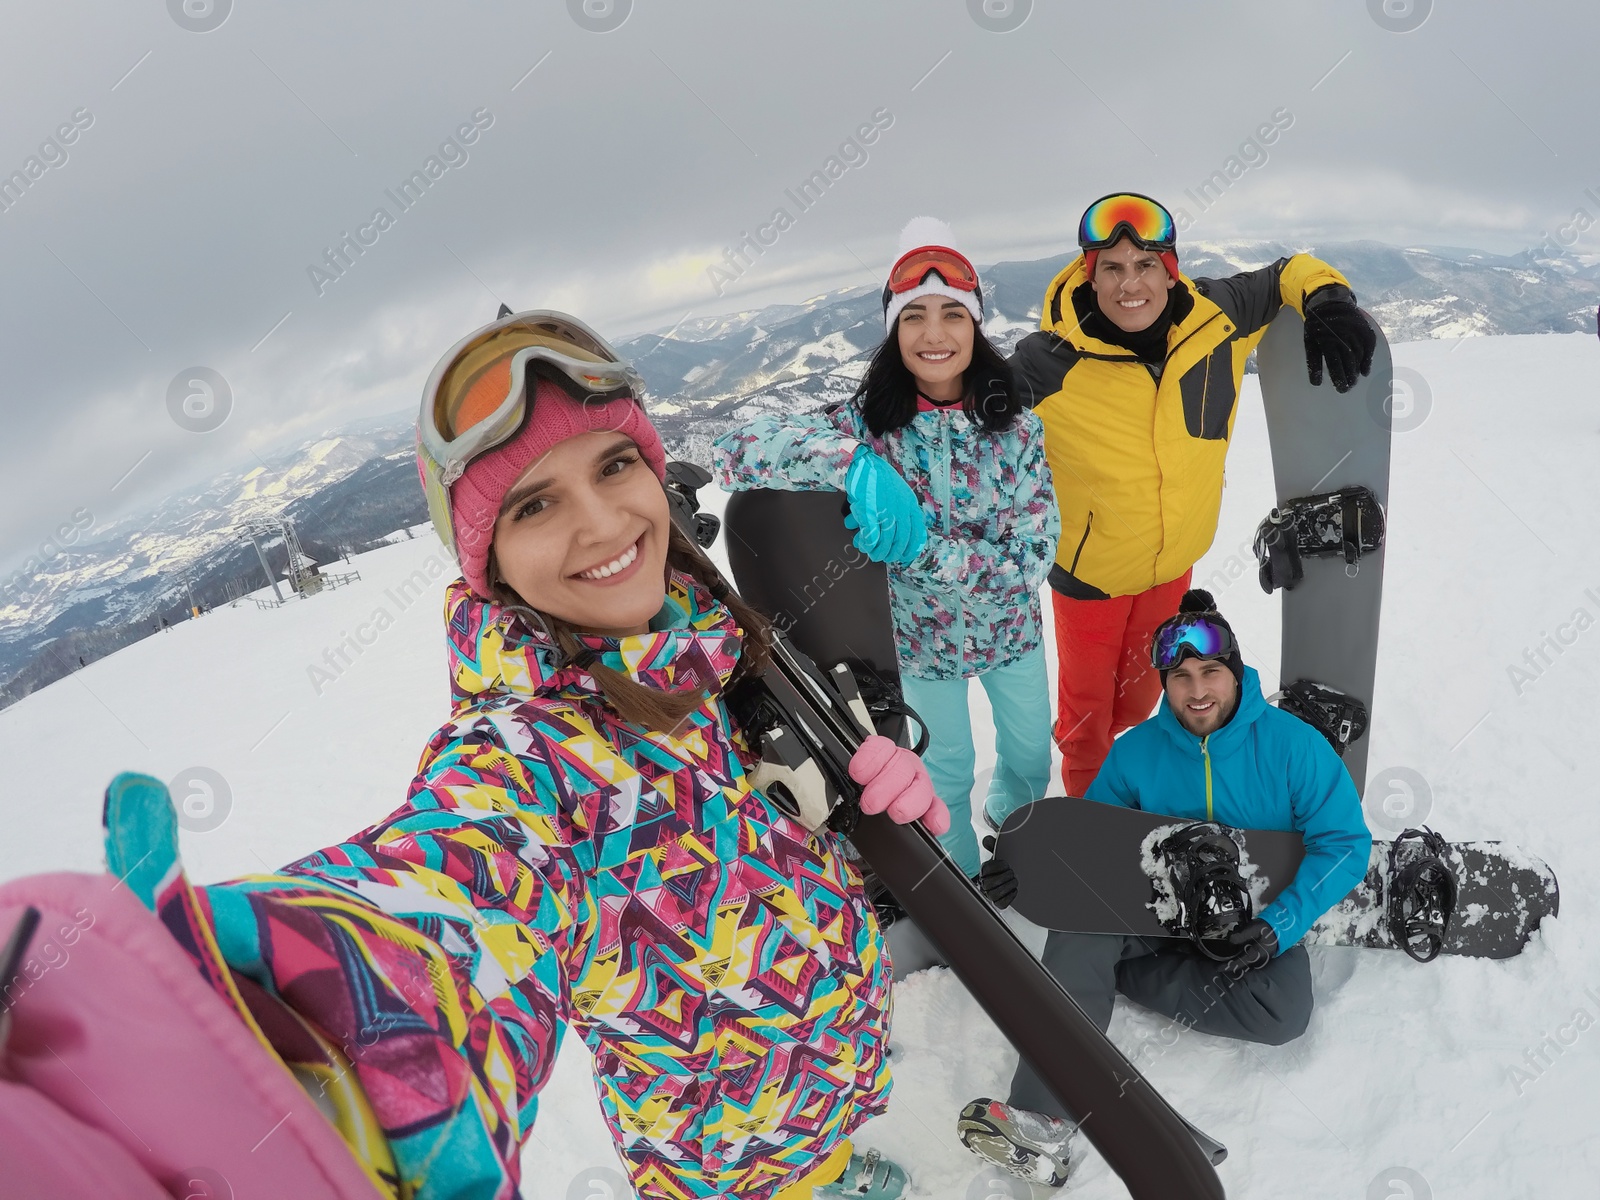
column 621, row 164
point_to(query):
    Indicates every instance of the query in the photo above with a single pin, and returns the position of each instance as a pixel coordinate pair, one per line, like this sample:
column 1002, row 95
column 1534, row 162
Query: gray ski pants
column 1271, row 1004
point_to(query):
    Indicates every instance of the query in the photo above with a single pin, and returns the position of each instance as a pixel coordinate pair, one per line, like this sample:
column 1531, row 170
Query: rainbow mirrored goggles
column 1126, row 214
column 480, row 394
column 1189, row 636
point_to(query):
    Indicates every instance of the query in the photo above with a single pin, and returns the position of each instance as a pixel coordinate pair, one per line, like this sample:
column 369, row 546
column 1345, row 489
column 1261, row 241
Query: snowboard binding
column 806, row 724
column 684, row 481
column 1202, row 862
column 1348, row 523
column 891, row 715
column 1422, row 892
column 1337, row 716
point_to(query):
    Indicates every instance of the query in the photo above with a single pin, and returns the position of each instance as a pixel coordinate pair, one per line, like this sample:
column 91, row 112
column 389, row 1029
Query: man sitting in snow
column 1215, row 750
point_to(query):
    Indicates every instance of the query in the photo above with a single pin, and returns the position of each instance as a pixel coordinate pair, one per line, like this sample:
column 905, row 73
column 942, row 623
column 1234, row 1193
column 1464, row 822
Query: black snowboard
column 1086, row 867
column 792, row 558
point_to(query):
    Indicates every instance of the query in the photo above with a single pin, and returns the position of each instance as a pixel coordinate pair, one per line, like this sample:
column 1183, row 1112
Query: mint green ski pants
column 1019, row 694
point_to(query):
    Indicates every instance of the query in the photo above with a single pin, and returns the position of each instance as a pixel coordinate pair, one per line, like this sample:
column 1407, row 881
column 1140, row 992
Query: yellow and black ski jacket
column 1136, row 450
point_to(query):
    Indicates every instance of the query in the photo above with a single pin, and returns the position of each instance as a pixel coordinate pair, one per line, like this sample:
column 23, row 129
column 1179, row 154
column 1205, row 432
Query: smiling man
column 1214, row 751
column 1134, row 373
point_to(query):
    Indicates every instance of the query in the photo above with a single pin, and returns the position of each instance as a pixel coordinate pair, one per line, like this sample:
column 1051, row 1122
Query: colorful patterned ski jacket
column 1265, row 769
column 970, row 601
column 556, row 865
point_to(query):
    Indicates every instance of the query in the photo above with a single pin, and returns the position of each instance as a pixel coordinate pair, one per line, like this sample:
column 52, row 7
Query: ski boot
column 867, row 1176
column 1029, row 1145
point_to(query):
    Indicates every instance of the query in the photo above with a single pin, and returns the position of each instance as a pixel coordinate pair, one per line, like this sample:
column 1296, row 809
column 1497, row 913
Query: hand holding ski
column 894, row 781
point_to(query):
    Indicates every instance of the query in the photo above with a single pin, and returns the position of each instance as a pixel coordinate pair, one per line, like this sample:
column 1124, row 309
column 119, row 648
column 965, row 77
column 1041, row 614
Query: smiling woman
column 591, row 500
column 947, row 483
column 582, row 843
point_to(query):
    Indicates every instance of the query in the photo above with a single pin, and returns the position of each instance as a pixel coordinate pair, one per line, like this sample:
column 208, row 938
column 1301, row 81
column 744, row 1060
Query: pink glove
column 894, row 780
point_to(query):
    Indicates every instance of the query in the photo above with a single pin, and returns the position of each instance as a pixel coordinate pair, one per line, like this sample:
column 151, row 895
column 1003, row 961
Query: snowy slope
column 1427, row 1068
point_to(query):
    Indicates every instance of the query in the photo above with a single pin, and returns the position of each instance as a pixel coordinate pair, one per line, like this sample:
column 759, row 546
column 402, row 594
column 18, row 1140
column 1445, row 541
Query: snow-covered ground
column 1461, row 1078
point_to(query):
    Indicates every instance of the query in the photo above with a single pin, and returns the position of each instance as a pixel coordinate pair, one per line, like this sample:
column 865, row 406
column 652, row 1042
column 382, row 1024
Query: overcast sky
column 211, row 165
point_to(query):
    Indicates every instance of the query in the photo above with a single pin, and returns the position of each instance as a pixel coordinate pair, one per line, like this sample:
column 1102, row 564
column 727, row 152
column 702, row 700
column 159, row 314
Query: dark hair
column 635, row 702
column 888, row 391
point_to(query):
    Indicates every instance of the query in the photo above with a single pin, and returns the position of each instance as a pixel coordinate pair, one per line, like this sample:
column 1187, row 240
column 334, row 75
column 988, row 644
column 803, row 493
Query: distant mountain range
column 351, row 487
column 344, row 491
column 708, row 375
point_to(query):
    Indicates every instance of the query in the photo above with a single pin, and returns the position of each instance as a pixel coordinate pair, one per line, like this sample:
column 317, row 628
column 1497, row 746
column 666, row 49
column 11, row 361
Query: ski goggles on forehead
column 1126, row 214
column 1189, row 636
column 911, row 269
column 482, row 392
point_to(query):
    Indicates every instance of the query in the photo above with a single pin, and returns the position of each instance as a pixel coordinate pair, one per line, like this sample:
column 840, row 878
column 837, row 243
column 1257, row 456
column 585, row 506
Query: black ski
column 792, row 558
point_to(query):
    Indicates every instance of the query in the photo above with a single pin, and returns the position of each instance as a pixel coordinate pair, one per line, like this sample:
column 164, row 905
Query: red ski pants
column 1105, row 682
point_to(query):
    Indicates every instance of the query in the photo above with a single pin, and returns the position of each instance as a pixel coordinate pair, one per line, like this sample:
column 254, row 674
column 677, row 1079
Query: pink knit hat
column 475, row 497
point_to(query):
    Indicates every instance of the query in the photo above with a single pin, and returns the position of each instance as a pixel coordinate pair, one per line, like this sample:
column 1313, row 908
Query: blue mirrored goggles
column 1189, row 636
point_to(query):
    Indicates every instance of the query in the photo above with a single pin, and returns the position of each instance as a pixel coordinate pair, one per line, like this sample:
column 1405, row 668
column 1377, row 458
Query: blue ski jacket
column 1265, row 769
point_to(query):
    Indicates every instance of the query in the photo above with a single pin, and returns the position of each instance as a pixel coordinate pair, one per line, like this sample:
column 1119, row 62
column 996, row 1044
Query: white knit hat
column 922, row 233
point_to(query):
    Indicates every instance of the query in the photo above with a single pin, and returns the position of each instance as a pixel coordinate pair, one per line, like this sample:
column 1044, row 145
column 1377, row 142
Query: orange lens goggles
column 911, row 269
column 479, row 394
column 478, row 382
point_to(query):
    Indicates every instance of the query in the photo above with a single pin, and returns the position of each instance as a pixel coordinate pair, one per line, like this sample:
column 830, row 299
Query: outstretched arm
column 1252, row 298
column 1336, row 332
column 797, row 452
column 458, row 916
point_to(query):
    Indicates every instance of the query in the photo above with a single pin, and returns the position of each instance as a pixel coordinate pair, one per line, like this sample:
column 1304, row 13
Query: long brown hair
column 637, row 703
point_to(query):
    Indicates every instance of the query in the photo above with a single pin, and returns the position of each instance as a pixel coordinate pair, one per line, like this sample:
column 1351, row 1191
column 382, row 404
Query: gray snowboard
column 1321, row 442
column 1085, row 867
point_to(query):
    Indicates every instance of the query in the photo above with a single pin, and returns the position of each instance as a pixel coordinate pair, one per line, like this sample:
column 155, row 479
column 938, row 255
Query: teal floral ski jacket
column 969, row 602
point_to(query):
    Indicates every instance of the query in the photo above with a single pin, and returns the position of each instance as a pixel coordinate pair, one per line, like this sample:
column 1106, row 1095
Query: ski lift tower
column 302, row 571
column 303, row 574
column 261, row 533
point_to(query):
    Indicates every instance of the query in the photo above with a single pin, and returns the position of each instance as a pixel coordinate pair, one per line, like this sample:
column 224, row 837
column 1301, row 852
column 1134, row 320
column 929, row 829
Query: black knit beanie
column 1202, row 603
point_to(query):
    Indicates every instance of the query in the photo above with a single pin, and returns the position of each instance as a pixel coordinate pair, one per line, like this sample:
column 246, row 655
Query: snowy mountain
column 348, row 488
column 711, row 376
column 343, row 491
column 1459, row 1078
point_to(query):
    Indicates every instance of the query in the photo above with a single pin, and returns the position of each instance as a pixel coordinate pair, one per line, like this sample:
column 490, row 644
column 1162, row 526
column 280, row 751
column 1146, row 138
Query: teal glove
column 884, row 511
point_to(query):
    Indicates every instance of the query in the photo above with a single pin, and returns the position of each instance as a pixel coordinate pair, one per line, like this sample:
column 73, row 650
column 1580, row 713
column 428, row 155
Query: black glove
column 1256, row 942
column 1336, row 330
column 997, row 880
